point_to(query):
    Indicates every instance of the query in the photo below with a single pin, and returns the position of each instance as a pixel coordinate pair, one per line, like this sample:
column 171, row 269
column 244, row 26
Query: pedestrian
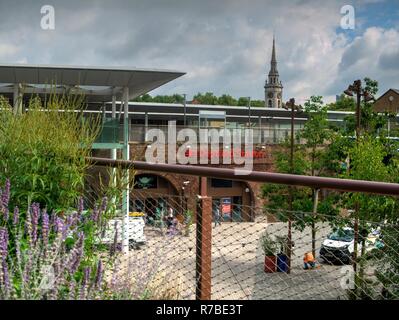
column 217, row 217
column 309, row 262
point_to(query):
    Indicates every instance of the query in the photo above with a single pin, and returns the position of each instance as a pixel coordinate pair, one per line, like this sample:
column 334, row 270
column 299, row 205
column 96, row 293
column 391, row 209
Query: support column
column 204, row 245
column 145, row 126
column 126, row 191
column 17, row 99
column 113, row 151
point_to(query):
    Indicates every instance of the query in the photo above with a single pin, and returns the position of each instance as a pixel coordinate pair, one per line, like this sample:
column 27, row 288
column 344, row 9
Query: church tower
column 273, row 86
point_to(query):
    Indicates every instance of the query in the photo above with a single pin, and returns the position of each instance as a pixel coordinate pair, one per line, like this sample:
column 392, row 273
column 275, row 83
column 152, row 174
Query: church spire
column 273, row 63
column 273, row 86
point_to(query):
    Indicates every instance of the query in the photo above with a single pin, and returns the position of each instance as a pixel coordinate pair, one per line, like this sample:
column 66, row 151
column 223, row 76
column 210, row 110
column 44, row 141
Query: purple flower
column 6, row 277
column 3, row 243
column 15, row 219
column 35, row 220
column 104, row 204
column 58, row 225
column 45, row 227
column 6, row 214
column 80, row 207
column 85, row 280
column 72, row 290
column 99, row 274
column 95, row 214
column 115, row 243
column 5, row 196
column 76, row 254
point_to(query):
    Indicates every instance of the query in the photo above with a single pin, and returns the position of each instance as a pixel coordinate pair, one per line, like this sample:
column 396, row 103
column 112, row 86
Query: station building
column 108, row 91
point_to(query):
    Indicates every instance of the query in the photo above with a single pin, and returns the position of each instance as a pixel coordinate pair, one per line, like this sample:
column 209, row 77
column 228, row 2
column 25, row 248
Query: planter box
column 282, row 263
column 270, row 264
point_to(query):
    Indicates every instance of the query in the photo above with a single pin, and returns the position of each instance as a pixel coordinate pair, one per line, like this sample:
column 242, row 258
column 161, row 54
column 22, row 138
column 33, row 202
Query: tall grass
column 43, row 150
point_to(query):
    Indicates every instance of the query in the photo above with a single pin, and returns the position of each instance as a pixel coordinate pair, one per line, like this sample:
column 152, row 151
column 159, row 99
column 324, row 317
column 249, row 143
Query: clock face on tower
column 270, row 94
column 279, row 95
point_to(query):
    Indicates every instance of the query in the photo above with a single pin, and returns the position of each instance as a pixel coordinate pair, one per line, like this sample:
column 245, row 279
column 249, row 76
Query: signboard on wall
column 226, row 208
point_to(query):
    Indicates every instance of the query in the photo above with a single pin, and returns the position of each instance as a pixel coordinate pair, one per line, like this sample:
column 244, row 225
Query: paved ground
column 237, row 264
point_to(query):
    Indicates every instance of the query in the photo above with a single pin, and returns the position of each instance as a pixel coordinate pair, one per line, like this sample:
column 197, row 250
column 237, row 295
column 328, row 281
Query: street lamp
column 249, row 112
column 291, row 105
column 356, row 89
column 391, row 98
column 185, row 108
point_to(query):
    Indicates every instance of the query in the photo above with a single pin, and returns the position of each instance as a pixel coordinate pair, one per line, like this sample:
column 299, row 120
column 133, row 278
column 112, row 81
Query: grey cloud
column 389, row 61
column 224, row 46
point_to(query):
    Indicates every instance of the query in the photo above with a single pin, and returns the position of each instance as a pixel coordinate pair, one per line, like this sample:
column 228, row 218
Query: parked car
column 339, row 245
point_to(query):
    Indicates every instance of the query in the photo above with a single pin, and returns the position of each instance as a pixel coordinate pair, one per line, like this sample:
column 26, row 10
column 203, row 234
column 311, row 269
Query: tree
column 344, row 103
column 367, row 163
column 243, row 102
column 316, row 133
column 143, row 98
column 207, row 98
column 276, row 195
column 176, row 98
column 227, row 100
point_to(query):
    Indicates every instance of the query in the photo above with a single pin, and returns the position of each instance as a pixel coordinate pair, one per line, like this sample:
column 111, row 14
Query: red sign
column 223, row 153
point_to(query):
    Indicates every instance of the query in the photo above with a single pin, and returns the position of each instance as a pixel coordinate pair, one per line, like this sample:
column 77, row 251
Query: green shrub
column 43, row 150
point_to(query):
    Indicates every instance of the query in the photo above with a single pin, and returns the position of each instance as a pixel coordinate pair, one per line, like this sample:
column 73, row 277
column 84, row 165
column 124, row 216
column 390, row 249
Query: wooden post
column 204, row 246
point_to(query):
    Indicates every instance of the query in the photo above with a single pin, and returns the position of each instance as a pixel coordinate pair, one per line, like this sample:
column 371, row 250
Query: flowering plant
column 46, row 256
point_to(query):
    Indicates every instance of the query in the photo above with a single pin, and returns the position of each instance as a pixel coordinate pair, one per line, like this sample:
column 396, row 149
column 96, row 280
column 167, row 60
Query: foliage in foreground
column 43, row 150
column 51, row 257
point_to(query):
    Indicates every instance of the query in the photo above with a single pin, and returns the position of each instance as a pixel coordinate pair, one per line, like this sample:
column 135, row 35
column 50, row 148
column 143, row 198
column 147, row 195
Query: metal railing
column 229, row 260
column 113, row 132
column 261, row 135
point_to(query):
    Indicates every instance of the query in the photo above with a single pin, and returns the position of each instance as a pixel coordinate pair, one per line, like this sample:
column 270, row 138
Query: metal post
column 17, row 99
column 249, row 112
column 204, row 245
column 356, row 222
column 125, row 201
column 291, row 197
column 185, row 109
column 113, row 151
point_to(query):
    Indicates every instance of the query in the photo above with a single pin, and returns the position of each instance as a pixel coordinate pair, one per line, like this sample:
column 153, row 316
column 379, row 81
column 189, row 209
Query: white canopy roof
column 98, row 83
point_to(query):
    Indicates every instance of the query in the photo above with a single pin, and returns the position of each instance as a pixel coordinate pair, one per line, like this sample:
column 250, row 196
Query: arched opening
column 232, row 199
column 154, row 195
column 270, row 103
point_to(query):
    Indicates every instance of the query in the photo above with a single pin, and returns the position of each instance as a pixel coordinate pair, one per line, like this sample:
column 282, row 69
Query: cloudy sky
column 223, row 45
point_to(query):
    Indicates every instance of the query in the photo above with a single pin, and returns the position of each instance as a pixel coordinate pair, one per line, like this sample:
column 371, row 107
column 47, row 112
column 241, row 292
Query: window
column 270, row 103
column 279, row 104
column 220, row 183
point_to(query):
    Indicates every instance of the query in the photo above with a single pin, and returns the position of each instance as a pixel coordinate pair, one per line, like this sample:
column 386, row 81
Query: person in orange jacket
column 309, row 262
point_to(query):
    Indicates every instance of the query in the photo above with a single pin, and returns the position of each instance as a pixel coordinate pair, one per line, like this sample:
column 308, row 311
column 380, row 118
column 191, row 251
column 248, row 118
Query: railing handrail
column 383, row 188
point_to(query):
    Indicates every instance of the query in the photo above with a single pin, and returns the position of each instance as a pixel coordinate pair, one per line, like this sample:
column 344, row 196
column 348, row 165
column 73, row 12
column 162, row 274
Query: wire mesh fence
column 177, row 253
column 250, row 260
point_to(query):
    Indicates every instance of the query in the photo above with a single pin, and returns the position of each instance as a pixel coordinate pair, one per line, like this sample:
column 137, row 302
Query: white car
column 339, row 245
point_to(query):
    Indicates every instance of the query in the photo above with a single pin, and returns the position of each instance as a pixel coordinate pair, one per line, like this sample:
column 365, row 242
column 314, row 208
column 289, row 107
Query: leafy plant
column 43, row 151
column 268, row 244
column 188, row 221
